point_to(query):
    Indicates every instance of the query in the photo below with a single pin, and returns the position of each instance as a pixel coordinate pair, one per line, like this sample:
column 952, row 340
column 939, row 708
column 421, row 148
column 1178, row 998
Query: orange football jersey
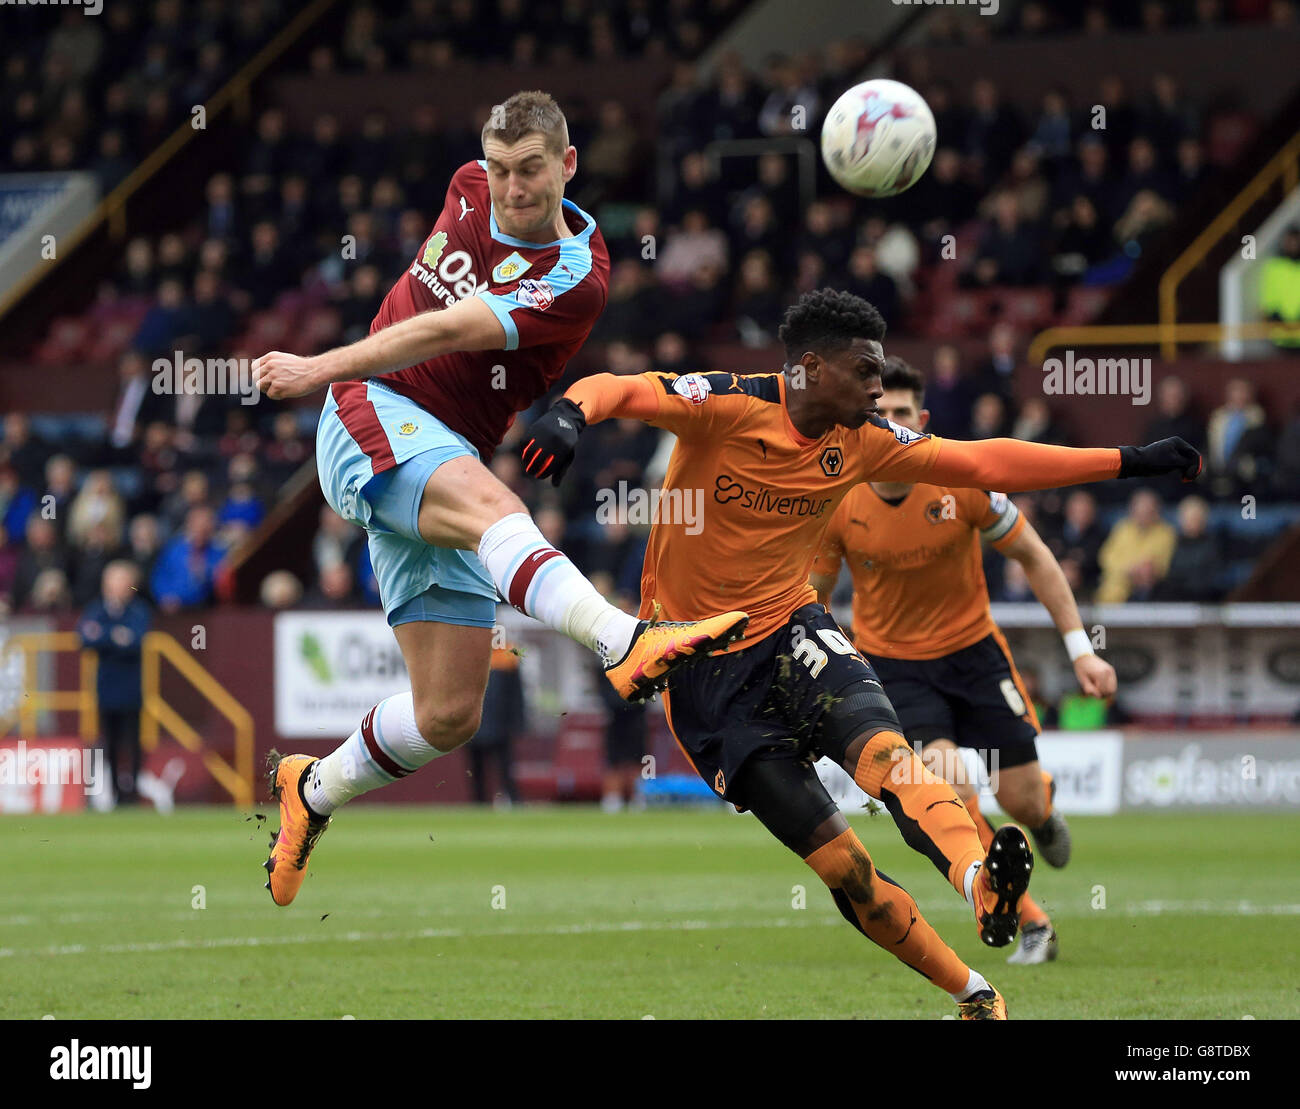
column 746, row 500
column 917, row 566
column 765, row 495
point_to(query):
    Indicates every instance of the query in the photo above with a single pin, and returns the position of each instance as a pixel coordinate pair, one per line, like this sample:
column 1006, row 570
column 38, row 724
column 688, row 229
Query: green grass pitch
column 567, row 912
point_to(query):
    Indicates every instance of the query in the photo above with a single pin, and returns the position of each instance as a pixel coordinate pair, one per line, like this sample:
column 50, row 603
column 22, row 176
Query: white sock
column 540, row 581
column 968, row 882
column 387, row 746
column 974, row 984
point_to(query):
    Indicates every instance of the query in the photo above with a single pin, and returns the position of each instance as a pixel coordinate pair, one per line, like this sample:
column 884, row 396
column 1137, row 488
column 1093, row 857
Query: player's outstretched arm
column 467, row 325
column 1017, row 466
column 1047, row 580
column 549, row 444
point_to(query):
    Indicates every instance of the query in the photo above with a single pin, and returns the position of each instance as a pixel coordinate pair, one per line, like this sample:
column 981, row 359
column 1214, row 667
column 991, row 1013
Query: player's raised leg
column 1038, row 942
column 465, row 506
column 787, row 796
column 423, row 516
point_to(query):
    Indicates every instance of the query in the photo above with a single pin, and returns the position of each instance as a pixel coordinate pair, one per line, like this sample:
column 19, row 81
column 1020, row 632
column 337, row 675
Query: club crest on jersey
column 535, row 294
column 408, row 428
column 934, row 512
column 694, row 387
column 832, row 461
column 510, row 268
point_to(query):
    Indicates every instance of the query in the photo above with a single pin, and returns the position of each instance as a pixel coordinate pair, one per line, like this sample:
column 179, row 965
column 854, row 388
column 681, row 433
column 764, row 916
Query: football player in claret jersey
column 773, row 455
column 921, row 617
column 504, row 291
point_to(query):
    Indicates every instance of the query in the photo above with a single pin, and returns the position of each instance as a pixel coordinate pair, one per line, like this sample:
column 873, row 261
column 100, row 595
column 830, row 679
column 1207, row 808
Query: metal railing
column 112, row 209
column 1283, row 166
column 157, row 714
column 34, row 700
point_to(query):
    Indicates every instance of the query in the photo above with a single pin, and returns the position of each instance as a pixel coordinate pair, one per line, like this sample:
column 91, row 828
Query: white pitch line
column 1139, row 908
column 420, row 934
column 947, row 910
column 1216, row 908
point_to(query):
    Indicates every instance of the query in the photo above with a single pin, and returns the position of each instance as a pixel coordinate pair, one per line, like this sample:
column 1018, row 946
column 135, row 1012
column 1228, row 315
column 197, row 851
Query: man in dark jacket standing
column 113, row 627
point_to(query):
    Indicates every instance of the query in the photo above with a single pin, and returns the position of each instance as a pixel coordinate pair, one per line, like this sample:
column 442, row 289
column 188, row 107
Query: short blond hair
column 525, row 113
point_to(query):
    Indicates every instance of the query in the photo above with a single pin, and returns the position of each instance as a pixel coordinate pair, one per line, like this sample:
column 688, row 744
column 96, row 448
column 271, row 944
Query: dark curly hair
column 828, row 320
column 899, row 374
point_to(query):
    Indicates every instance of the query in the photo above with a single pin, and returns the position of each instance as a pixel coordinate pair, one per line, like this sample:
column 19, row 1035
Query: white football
column 878, row 138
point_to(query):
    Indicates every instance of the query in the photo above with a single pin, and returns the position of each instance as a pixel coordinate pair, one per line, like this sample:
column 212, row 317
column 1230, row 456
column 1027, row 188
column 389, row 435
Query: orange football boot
column 299, row 827
column 660, row 647
column 1001, row 885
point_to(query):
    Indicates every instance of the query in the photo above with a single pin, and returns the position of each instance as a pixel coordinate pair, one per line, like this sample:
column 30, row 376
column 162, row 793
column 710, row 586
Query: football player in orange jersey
column 921, row 616
column 772, row 455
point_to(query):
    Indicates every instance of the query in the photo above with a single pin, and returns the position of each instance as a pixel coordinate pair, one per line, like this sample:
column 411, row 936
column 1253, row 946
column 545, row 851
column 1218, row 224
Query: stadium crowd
column 174, row 482
column 100, row 94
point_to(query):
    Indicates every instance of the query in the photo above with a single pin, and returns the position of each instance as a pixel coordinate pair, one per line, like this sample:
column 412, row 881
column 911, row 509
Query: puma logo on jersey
column 465, row 209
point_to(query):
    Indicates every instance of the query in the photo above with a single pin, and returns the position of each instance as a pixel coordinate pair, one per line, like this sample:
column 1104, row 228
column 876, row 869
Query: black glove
column 553, row 438
column 1165, row 457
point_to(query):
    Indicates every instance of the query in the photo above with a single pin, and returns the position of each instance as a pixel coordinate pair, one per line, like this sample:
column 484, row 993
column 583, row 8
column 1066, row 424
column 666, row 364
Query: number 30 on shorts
column 812, row 656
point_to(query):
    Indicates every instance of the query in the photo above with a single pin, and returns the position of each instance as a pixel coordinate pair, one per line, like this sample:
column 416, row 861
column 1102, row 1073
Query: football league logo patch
column 694, row 387
column 535, row 294
column 904, row 435
column 508, row 269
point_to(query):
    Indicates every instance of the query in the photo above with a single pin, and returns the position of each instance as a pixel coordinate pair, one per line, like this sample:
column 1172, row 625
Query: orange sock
column 885, row 912
column 1047, row 793
column 1031, row 913
column 928, row 813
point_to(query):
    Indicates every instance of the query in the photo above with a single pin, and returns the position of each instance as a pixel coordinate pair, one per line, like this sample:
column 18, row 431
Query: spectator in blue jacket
column 113, row 626
column 183, row 575
column 17, row 502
